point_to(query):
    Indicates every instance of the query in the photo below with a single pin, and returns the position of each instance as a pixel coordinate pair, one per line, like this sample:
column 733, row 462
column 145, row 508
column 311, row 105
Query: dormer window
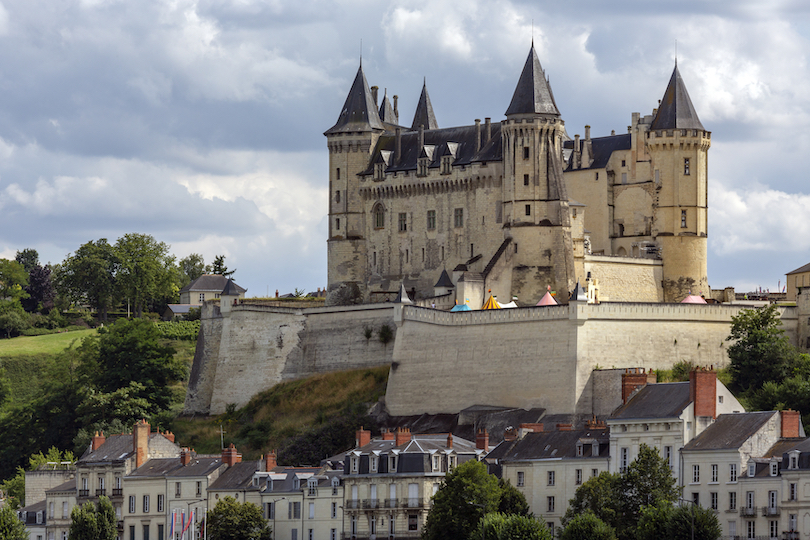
column 594, row 449
column 437, row 463
column 355, row 463
column 268, row 484
column 794, row 461
column 579, row 449
column 312, row 486
column 447, row 164
column 335, row 484
column 296, row 483
column 392, row 463
column 379, row 171
column 752, row 469
column 774, row 468
column 422, row 166
column 373, row 460
column 451, row 461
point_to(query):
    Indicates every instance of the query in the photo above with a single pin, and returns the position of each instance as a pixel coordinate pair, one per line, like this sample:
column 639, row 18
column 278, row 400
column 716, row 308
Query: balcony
column 84, row 493
column 769, row 511
column 118, row 492
column 353, row 504
column 390, row 503
column 748, row 511
column 101, row 492
column 414, row 503
column 790, row 535
column 371, row 503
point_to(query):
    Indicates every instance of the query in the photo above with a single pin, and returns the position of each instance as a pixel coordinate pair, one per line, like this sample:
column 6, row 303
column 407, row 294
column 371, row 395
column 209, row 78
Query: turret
column 350, row 141
column 535, row 203
column 678, row 145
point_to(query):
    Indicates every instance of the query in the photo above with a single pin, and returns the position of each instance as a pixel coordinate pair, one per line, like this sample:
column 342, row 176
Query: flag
column 171, row 527
column 186, row 524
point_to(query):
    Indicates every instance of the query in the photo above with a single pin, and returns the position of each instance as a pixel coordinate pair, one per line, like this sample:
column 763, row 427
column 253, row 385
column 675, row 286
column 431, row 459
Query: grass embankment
column 291, row 415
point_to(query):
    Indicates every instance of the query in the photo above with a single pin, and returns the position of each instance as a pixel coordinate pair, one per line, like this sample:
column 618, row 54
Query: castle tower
column 350, row 142
column 678, row 145
column 535, row 203
column 424, row 117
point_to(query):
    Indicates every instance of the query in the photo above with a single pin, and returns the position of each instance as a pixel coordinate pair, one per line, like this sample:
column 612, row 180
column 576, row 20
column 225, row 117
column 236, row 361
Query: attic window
column 794, row 461
column 379, row 171
column 752, row 470
column 579, row 449
column 422, row 167
column 774, row 468
column 447, row 164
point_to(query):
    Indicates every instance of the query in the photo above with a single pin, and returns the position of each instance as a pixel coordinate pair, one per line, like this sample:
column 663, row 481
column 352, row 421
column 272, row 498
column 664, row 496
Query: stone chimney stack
column 482, row 440
column 270, row 461
column 398, row 147
column 790, row 424
column 402, row 436
column 477, row 135
column 362, row 437
column 449, row 440
column 387, row 434
column 140, row 442
column 230, row 456
column 421, row 136
column 185, row 456
column 98, row 440
column 575, row 153
column 703, row 392
column 487, row 129
column 396, row 108
column 374, row 90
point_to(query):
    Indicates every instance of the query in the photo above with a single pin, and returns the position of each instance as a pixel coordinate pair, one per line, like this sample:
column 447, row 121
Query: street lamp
column 483, row 525
column 273, row 502
column 693, row 503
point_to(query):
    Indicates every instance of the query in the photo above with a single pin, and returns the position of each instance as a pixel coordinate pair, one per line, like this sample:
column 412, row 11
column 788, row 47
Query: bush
column 179, row 330
column 45, row 331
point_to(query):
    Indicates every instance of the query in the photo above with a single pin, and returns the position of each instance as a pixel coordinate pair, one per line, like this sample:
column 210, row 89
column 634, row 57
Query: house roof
column 156, row 467
column 805, row 268
column 444, row 281
column 231, row 289
column 601, row 150
column 782, row 446
column 209, row 283
column 70, row 485
column 676, row 110
column 359, row 112
column 181, row 308
column 661, row 400
column 533, row 92
column 730, row 431
column 239, row 476
column 558, row 444
column 424, row 111
column 198, row 466
column 115, row 448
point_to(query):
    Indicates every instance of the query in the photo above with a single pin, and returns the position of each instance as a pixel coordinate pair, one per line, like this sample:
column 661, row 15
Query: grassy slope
column 283, row 411
column 39, row 345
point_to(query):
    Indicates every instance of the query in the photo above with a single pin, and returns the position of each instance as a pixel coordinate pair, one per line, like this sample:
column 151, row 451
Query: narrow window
column 407, row 256
column 442, row 252
column 337, row 224
column 431, row 220
column 520, row 478
column 423, row 254
column 714, row 473
column 528, row 209
column 379, row 217
column 578, row 479
column 732, row 500
column 132, row 504
column 458, row 217
column 160, row 503
column 403, row 222
column 657, row 176
column 525, row 179
column 597, row 176
column 516, row 247
column 623, row 163
column 713, row 498
column 551, row 504
column 334, row 510
column 686, row 166
column 202, row 297
column 594, row 473
column 683, row 219
column 774, row 468
column 525, row 152
column 472, row 251
column 732, row 472
column 792, row 492
column 337, row 196
column 623, row 459
column 551, row 478
column 337, row 173
column 695, row 474
column 146, row 504
column 668, row 455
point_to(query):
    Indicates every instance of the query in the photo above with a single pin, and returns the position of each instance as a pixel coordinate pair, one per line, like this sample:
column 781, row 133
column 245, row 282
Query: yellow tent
column 491, row 303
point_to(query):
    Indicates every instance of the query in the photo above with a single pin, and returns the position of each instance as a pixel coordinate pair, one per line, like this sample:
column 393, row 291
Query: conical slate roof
column 402, row 297
column 676, row 110
column 360, row 111
column 424, row 112
column 533, row 93
column 386, row 110
column 231, row 289
column 445, row 281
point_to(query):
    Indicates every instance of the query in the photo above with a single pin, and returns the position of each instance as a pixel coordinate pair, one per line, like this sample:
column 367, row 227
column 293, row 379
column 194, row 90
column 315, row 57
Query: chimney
column 276, row 293
column 586, row 153
column 230, row 456
column 98, row 440
column 525, row 428
column 564, row 427
column 169, row 435
column 449, row 440
column 587, row 133
column 396, row 108
column 703, row 392
column 632, row 378
column 487, row 129
column 575, row 154
column 510, row 434
column 402, row 436
column 362, row 437
column 477, row 135
column 387, row 434
column 613, row 132
column 140, row 442
column 594, row 424
column 185, row 456
column 398, row 147
column 374, row 90
column 790, row 424
column 270, row 462
column 482, row 440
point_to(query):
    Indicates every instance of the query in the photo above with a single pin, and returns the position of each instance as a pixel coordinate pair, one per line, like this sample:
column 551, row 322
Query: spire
column 424, row 111
column 533, row 93
column 359, row 112
column 676, row 110
column 386, row 110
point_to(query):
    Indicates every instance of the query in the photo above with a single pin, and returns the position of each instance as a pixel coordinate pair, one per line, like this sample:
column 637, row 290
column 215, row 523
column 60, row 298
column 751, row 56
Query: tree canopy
column 13, row 279
column 93, row 522
column 220, row 268
column 146, row 269
column 89, row 276
column 11, row 528
column 232, row 520
column 498, row 526
column 586, row 526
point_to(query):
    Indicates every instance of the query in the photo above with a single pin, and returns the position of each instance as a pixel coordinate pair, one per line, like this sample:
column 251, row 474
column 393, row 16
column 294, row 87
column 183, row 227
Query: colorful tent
column 461, row 307
column 491, row 303
column 547, row 299
column 693, row 299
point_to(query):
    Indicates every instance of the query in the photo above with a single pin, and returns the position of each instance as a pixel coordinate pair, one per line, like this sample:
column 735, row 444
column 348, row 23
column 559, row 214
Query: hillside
column 306, row 420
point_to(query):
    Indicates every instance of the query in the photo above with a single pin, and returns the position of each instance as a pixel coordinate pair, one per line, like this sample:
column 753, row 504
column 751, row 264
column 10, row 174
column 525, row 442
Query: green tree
column 600, row 496
column 11, row 528
column 693, row 522
column 147, row 270
column 191, row 268
column 654, row 520
column 498, row 526
column 467, row 493
column 512, row 500
column 40, row 291
column 761, row 351
column 220, row 268
column 587, row 526
column 29, row 258
column 13, row 319
column 89, row 276
column 93, row 522
column 13, row 279
column 232, row 520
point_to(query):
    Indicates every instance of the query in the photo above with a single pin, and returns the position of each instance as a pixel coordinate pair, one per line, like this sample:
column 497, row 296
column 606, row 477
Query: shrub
column 179, row 330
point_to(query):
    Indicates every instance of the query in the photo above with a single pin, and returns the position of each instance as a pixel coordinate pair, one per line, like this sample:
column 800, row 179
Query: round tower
column 678, row 146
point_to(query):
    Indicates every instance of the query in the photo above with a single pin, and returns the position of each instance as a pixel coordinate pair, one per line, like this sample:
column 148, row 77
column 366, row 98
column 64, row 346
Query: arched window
column 379, row 216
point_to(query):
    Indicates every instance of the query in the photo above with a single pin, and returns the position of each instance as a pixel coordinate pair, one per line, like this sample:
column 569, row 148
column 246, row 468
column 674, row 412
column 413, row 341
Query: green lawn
column 38, row 345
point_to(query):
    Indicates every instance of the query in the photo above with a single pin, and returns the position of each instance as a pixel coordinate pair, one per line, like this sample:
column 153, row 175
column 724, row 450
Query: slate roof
column 209, row 282
column 557, row 444
column 156, row 467
column 730, row 431
column 782, row 446
column 661, row 400
column 359, row 112
column 70, row 485
column 31, row 514
column 115, row 448
column 676, row 110
column 239, row 476
column 198, row 466
column 180, row 309
column 444, row 281
column 805, row 268
column 386, row 110
column 533, row 92
column 232, row 289
column 602, row 148
column 424, row 111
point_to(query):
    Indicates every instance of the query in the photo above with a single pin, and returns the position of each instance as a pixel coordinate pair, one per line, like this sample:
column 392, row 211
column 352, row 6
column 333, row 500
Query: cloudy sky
column 200, row 121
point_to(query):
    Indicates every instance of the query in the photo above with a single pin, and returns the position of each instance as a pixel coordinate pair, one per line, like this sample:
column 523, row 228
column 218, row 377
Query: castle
column 516, row 206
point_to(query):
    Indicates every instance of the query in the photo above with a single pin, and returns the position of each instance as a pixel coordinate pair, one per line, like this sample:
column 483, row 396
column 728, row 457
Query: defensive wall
column 443, row 362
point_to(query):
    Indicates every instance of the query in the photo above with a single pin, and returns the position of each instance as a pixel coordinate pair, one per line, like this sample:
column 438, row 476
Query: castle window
column 525, row 179
column 379, row 171
column 528, row 209
column 337, row 196
column 683, row 219
column 623, row 163
column 442, row 252
column 379, row 216
column 423, row 254
column 458, row 217
column 657, row 176
column 423, row 167
column 337, row 173
column 525, row 152
column 597, row 176
column 407, row 256
column 515, row 247
column 447, row 164
column 472, row 250
column 337, row 224
column 403, row 222
column 686, row 166
column 431, row 220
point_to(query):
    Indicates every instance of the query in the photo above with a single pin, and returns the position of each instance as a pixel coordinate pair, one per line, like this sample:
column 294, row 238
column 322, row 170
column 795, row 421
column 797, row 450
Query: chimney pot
column 387, row 434
column 449, row 440
column 790, row 424
column 564, row 427
column 402, row 436
column 398, row 148
column 185, row 456
column 362, row 437
column 98, row 440
column 230, row 456
column 396, row 108
column 632, row 379
column 587, row 133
